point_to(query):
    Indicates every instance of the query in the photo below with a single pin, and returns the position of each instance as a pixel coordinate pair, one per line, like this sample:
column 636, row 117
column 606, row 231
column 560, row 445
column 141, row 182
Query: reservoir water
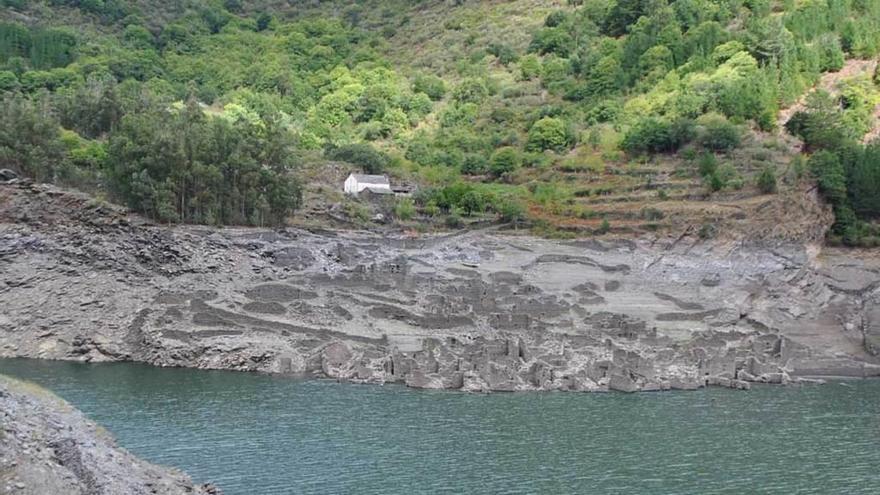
column 258, row 434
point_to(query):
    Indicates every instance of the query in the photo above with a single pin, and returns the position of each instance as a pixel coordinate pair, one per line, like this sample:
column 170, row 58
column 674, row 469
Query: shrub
column 715, row 181
column 453, row 220
column 470, row 91
column 555, row 18
column 473, row 202
column 657, row 136
column 475, row 164
column 549, row 133
column 510, row 210
column 604, row 227
column 368, row 158
column 529, row 67
column 405, row 209
column 8, row 81
column 503, row 52
column 708, row 164
column 552, row 40
column 719, row 134
column 432, row 86
column 504, row 161
column 649, row 213
column 767, row 180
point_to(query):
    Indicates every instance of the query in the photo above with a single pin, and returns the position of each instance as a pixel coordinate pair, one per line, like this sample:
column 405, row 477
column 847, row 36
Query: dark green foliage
column 42, row 48
column 368, row 158
column 658, row 136
column 555, row 41
column 264, row 19
column 766, row 181
column 432, row 86
column 475, row 164
column 504, row 52
column 719, row 135
column 707, row 164
column 821, row 125
column 504, row 161
column 831, row 177
column 29, row 138
column 178, row 165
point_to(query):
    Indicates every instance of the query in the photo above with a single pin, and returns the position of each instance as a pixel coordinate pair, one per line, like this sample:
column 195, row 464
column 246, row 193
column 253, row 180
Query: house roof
column 371, row 179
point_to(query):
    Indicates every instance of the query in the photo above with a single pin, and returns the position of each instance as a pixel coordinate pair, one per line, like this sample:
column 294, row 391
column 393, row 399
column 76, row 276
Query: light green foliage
column 404, row 209
column 8, row 81
column 549, row 133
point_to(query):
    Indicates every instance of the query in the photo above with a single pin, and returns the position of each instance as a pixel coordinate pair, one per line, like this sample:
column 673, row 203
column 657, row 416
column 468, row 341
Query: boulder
column 622, row 383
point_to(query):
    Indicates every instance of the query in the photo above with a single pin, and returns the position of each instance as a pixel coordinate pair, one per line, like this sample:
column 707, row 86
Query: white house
column 377, row 184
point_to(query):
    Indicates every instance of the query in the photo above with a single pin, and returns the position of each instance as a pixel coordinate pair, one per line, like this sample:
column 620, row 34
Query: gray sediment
column 475, row 311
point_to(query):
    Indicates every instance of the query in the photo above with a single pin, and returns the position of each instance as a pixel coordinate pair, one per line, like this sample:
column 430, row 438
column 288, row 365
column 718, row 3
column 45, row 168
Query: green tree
column 504, row 161
column 549, row 133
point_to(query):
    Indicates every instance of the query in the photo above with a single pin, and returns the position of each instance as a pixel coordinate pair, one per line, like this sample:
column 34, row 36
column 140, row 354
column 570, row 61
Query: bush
column 432, row 86
column 767, row 180
column 404, row 209
column 657, row 136
column 453, row 220
column 549, row 133
column 475, row 164
column 715, row 181
column 504, row 161
column 505, row 54
column 708, row 164
column 529, row 67
column 510, row 210
column 719, row 134
column 470, row 91
column 8, row 81
column 368, row 158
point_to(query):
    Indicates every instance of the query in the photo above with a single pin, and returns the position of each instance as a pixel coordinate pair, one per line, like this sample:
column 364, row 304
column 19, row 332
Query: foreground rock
column 478, row 311
column 47, row 446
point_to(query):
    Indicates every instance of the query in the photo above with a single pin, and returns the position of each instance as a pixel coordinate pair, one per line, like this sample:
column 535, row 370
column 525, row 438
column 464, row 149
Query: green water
column 257, row 434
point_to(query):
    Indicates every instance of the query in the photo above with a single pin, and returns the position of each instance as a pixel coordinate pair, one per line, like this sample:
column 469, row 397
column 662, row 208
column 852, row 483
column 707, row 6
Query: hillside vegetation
column 580, row 116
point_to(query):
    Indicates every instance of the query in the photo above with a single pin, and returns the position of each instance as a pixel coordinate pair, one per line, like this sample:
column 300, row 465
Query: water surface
column 258, row 434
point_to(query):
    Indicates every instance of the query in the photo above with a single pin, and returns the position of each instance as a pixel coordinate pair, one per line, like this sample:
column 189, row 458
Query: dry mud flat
column 48, row 447
column 477, row 311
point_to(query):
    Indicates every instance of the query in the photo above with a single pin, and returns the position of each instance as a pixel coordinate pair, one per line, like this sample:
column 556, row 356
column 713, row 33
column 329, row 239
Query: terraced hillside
column 571, row 118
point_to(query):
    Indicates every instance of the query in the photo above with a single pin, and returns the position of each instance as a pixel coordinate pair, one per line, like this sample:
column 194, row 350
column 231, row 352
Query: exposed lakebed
column 254, row 433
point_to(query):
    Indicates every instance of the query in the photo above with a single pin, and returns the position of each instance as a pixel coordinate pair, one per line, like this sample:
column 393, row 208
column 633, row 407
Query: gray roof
column 371, row 179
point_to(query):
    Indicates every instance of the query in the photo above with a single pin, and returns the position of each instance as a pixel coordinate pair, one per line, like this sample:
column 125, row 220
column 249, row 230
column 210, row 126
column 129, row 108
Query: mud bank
column 476, row 311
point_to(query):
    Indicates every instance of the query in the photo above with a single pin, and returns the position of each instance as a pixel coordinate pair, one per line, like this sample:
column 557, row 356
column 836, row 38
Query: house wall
column 352, row 186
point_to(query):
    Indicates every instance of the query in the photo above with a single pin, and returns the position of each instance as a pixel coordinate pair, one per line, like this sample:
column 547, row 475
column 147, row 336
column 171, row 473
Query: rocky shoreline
column 47, row 446
column 474, row 311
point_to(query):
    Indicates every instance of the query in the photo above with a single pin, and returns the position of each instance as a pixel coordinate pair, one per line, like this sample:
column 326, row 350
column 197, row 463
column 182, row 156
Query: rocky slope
column 475, row 311
column 47, row 446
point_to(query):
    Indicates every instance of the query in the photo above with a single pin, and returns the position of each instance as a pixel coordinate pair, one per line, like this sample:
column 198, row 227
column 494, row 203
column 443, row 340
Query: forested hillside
column 578, row 116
